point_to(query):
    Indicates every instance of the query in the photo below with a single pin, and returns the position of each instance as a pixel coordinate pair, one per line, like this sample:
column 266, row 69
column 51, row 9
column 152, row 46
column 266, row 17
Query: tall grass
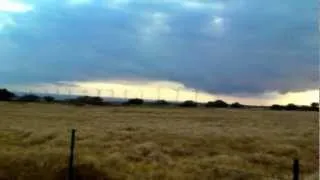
column 155, row 143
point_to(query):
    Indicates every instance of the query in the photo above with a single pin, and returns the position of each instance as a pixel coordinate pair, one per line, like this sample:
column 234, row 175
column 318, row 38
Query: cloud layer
column 217, row 46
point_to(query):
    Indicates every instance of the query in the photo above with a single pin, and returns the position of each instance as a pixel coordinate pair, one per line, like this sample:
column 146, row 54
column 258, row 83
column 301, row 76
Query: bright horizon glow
column 303, row 98
column 168, row 91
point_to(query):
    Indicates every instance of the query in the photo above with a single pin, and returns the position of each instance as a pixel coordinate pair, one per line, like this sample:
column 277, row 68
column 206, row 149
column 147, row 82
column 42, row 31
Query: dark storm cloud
column 242, row 47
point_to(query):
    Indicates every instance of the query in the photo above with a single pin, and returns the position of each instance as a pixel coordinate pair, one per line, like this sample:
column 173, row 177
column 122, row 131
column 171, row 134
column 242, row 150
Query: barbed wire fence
column 215, row 172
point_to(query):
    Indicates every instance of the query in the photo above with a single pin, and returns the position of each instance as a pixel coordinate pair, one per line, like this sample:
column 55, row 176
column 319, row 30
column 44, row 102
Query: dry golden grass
column 155, row 143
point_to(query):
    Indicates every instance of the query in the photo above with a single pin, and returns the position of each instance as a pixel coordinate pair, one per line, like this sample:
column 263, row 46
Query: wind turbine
column 98, row 92
column 69, row 91
column 112, row 93
column 159, row 92
column 84, row 91
column 141, row 94
column 126, row 94
column 177, row 94
column 195, row 95
column 45, row 91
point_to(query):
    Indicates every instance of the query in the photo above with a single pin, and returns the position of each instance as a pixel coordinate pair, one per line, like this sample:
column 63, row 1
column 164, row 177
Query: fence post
column 295, row 169
column 71, row 156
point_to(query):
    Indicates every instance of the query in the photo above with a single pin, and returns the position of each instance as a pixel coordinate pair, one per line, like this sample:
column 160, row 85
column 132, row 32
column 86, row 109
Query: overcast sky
column 225, row 47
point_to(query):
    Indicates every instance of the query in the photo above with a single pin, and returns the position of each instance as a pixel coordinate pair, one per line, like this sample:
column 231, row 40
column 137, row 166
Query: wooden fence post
column 295, row 169
column 71, row 156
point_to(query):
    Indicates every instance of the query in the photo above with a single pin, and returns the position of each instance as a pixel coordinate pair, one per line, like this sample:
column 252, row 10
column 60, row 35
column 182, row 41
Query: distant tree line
column 86, row 100
column 292, row 107
column 6, row 95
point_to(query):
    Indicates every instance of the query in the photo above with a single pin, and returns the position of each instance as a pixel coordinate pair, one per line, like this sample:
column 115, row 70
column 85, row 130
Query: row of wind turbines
column 111, row 93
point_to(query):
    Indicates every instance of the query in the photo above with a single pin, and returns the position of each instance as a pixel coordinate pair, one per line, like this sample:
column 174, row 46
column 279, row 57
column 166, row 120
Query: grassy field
column 155, row 143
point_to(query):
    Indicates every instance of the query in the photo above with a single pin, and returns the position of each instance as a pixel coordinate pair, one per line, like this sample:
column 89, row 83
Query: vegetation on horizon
column 6, row 95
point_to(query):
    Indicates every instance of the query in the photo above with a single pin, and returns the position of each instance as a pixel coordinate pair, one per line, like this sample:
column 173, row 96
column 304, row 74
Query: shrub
column 305, row 108
column 236, row 105
column 291, row 107
column 29, row 98
column 218, row 104
column 188, row 104
column 89, row 100
column 161, row 102
column 277, row 107
column 83, row 100
column 74, row 102
column 314, row 106
column 135, row 101
column 6, row 95
column 48, row 98
column 95, row 101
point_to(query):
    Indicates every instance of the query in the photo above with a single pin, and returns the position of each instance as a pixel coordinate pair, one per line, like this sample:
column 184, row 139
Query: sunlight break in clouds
column 14, row 6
